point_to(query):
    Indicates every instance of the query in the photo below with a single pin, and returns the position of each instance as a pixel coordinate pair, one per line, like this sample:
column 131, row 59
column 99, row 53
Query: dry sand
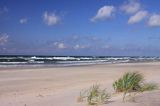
column 61, row 86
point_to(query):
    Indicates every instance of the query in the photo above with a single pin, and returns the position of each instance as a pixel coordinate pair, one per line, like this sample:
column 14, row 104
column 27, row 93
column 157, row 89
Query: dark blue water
column 18, row 60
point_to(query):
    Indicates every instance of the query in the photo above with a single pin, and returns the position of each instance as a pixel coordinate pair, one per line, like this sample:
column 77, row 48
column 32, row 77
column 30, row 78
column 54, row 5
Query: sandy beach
column 61, row 86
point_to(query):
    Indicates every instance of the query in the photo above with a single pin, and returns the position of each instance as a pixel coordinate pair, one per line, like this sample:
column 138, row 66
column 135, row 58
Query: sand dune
column 61, row 86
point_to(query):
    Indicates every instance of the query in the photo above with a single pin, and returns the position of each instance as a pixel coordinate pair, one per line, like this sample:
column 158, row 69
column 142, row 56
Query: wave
column 70, row 60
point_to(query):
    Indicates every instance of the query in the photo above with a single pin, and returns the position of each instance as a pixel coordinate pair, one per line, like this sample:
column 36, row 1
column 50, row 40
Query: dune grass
column 94, row 95
column 132, row 82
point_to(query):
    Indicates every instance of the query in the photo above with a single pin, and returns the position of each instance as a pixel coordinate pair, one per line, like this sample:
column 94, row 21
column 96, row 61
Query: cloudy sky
column 80, row 27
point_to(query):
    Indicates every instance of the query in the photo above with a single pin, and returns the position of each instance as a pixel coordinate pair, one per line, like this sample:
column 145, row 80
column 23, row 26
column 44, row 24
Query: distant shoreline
column 20, row 67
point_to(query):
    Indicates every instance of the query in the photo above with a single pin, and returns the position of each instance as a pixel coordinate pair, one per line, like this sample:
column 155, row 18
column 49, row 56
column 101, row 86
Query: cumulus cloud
column 139, row 16
column 3, row 38
column 23, row 20
column 154, row 20
column 103, row 13
column 131, row 7
column 59, row 45
column 51, row 18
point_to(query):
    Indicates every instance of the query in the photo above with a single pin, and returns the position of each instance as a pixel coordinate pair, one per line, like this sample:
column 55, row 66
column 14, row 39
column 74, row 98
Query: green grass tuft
column 128, row 83
column 132, row 82
column 95, row 95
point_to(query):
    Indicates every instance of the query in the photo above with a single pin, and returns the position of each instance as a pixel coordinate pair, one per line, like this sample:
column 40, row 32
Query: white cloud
column 131, row 7
column 59, row 45
column 51, row 18
column 139, row 16
column 23, row 20
column 103, row 13
column 154, row 20
column 77, row 46
column 3, row 38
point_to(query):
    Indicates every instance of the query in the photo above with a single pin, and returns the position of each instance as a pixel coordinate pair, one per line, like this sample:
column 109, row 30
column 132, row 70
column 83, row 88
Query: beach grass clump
column 130, row 82
column 94, row 95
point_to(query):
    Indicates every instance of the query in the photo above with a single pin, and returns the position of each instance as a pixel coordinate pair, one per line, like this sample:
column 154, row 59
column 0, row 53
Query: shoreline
column 19, row 67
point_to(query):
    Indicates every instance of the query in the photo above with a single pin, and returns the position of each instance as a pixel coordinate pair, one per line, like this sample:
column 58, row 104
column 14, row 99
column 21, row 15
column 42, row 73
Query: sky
column 80, row 27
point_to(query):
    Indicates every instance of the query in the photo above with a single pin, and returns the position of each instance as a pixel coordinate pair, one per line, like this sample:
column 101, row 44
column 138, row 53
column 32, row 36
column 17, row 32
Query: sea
column 60, row 61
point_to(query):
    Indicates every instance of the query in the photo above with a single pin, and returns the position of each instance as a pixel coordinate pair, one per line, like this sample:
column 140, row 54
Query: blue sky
column 80, row 27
